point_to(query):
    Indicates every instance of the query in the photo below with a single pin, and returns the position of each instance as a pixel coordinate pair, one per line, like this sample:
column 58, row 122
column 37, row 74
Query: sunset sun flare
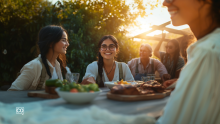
column 157, row 16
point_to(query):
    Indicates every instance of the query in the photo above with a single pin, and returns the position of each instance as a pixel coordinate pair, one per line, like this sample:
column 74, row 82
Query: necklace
column 110, row 70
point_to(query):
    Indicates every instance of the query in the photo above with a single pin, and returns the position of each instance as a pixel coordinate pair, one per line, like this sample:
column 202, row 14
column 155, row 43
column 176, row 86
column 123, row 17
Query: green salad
column 71, row 87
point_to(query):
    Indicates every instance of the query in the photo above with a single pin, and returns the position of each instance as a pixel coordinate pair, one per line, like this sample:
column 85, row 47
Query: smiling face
column 61, row 46
column 170, row 48
column 144, row 52
column 108, row 49
column 187, row 11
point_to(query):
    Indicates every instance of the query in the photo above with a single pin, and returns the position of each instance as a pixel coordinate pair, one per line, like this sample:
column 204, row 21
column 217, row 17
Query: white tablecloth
column 43, row 112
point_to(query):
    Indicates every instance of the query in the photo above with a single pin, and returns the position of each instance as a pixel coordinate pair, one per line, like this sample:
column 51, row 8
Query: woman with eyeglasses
column 171, row 58
column 195, row 99
column 106, row 68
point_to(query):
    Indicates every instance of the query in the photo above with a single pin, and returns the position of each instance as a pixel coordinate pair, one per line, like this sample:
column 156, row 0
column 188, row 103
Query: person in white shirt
column 50, row 64
column 106, row 68
column 195, row 99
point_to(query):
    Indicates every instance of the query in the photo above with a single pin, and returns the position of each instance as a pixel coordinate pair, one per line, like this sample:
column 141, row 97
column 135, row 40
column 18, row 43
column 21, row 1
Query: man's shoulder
column 155, row 60
column 134, row 60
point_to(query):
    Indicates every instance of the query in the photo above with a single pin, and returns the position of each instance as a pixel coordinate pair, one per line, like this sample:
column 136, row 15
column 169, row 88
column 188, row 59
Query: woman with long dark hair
column 106, row 68
column 195, row 99
column 50, row 64
column 171, row 58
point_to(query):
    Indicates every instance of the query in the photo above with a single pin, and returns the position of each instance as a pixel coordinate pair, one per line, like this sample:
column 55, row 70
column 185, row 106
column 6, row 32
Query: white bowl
column 111, row 84
column 77, row 98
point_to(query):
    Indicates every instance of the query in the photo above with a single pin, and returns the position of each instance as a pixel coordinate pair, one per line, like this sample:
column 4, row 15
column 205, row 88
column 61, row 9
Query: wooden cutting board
column 42, row 94
column 137, row 97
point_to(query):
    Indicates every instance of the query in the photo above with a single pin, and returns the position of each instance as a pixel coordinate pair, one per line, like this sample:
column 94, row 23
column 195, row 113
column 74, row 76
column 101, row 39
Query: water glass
column 69, row 77
column 72, row 77
column 76, row 77
column 148, row 77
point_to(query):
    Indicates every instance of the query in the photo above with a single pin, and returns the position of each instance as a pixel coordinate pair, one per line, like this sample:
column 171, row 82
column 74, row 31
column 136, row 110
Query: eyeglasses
column 110, row 47
column 169, row 1
column 170, row 47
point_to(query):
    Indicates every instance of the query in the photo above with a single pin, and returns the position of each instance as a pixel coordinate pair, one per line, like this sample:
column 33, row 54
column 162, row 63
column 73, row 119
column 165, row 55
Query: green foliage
column 85, row 20
column 19, row 29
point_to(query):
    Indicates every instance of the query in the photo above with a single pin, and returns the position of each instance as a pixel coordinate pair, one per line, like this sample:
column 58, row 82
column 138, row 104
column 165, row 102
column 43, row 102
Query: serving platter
column 119, row 97
column 42, row 94
column 111, row 84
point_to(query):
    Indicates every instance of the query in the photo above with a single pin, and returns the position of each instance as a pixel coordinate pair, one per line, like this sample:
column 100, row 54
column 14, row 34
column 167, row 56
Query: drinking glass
column 72, row 77
column 76, row 77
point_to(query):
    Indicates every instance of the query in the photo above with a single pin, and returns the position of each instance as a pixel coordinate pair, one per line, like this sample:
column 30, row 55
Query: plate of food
column 114, row 83
column 146, row 91
column 78, row 94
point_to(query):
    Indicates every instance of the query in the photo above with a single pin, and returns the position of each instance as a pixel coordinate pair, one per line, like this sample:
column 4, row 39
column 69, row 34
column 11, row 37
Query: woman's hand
column 156, row 50
column 166, row 77
column 169, row 82
column 89, row 80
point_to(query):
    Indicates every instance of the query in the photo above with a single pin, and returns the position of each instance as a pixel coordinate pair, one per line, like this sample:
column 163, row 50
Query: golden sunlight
column 157, row 16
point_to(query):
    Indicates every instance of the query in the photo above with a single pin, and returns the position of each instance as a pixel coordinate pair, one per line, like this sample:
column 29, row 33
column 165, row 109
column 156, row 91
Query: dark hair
column 176, row 54
column 215, row 11
column 50, row 35
column 184, row 42
column 100, row 58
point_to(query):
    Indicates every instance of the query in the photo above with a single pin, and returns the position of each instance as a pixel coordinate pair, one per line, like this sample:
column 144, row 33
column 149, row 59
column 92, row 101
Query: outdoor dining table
column 149, row 107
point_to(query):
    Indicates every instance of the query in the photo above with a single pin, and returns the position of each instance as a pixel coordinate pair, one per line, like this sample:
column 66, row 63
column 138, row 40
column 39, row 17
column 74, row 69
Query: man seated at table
column 145, row 65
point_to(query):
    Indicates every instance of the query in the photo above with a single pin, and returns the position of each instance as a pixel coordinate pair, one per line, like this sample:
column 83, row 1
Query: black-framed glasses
column 170, row 47
column 111, row 47
column 169, row 1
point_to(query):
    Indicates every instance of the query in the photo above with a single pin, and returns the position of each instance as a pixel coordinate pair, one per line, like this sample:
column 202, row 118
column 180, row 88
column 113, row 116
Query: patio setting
column 109, row 61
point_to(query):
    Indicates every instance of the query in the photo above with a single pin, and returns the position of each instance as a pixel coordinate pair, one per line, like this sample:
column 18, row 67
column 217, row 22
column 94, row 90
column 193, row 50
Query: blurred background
column 86, row 22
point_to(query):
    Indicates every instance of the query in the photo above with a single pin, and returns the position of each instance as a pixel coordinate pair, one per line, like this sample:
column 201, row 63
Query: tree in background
column 20, row 21
column 85, row 20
